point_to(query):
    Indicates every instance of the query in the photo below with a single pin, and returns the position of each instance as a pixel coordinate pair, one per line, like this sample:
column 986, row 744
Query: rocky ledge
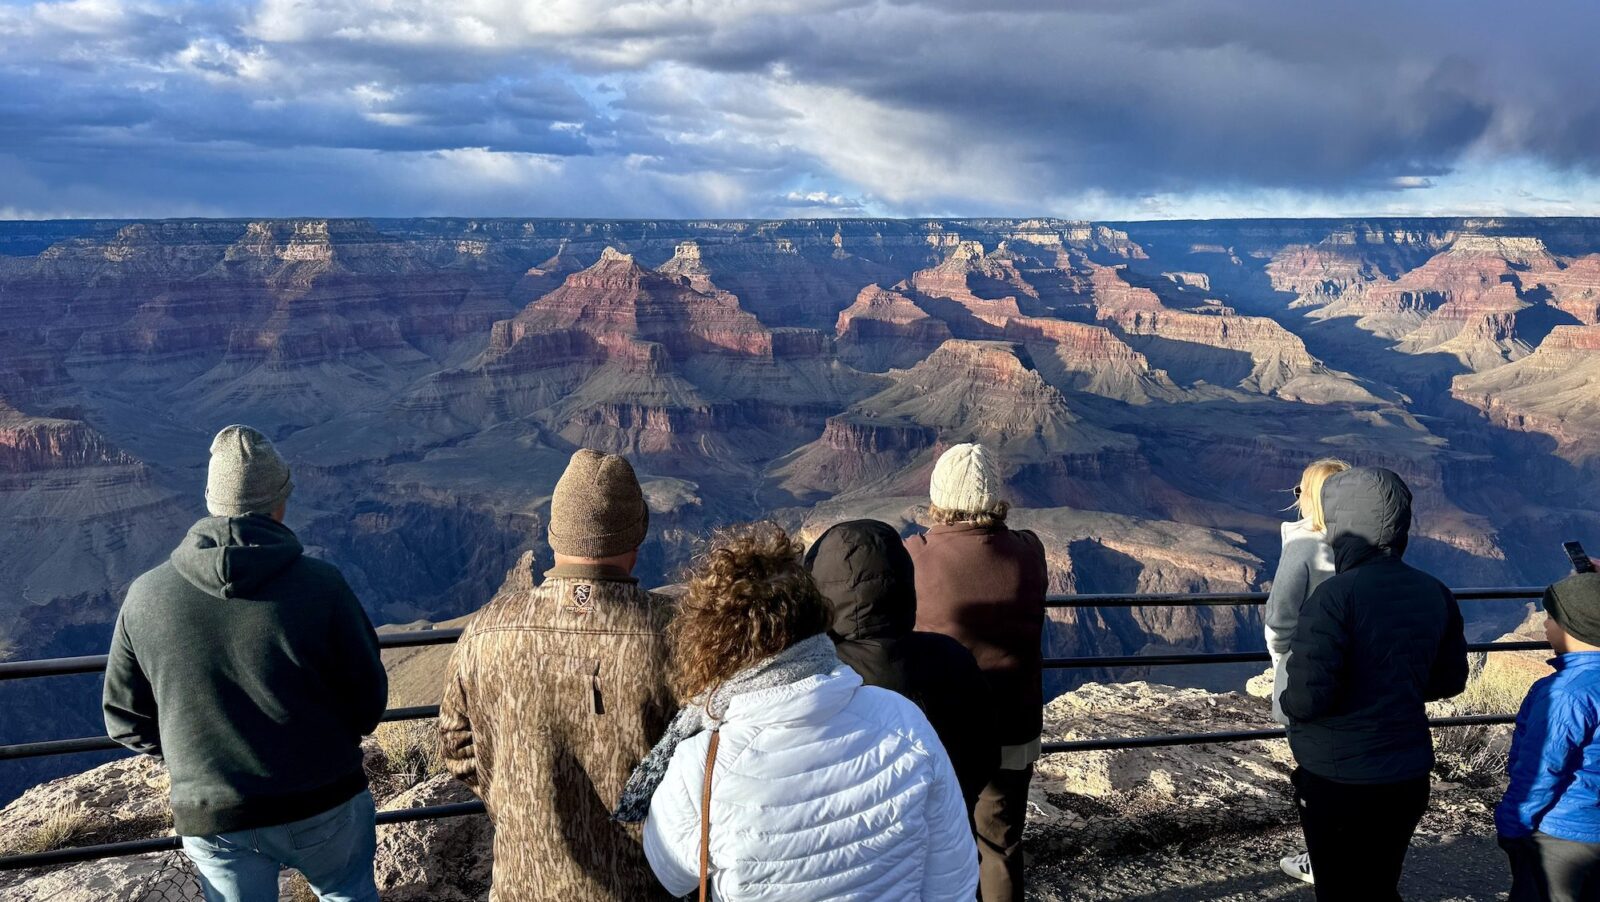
column 1194, row 822
column 1121, row 800
column 422, row 861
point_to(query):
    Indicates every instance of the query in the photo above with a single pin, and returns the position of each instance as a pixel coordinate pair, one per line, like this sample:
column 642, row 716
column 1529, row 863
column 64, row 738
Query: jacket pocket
column 574, row 681
column 211, row 845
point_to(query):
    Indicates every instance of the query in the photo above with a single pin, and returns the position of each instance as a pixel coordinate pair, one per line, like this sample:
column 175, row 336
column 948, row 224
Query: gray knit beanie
column 598, row 509
column 966, row 479
column 246, row 475
column 1575, row 604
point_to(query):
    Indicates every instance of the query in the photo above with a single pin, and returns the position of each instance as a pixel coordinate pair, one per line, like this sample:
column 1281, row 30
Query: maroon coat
column 985, row 588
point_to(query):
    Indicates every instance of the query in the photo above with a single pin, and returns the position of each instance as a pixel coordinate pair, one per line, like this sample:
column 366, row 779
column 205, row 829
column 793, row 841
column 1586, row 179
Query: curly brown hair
column 748, row 597
column 989, row 519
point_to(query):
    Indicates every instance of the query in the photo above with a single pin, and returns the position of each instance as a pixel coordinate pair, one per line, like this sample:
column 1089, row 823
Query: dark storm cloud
column 1170, row 95
column 1195, row 101
column 751, row 107
column 40, row 113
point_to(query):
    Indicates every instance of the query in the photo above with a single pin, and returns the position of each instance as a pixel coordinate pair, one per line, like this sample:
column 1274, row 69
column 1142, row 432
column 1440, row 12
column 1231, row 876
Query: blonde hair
column 749, row 596
column 989, row 519
column 1311, row 480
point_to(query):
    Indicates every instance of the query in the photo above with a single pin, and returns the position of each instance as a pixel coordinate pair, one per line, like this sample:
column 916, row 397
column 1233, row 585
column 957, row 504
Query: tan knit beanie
column 966, row 479
column 598, row 509
column 246, row 475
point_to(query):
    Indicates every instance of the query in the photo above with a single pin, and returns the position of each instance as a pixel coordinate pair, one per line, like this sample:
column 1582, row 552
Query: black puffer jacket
column 865, row 573
column 1374, row 642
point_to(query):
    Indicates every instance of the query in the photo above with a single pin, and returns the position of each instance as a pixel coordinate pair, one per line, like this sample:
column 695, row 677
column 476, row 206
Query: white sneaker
column 1298, row 867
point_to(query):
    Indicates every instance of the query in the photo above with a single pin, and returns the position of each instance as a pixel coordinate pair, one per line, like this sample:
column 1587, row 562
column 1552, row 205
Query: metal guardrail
column 24, row 670
column 1237, row 657
column 1151, row 742
column 106, row 744
column 173, row 843
column 414, row 638
column 17, row 670
column 1198, row 600
column 77, row 854
column 49, row 747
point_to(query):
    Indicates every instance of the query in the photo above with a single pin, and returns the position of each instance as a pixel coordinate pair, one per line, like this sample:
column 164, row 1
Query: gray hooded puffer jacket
column 1374, row 643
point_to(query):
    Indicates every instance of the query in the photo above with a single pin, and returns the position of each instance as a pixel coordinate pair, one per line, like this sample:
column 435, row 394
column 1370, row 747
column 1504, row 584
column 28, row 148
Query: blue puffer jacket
column 1555, row 761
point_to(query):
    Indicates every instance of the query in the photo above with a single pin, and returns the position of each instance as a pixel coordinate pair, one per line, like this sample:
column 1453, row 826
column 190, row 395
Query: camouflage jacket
column 553, row 695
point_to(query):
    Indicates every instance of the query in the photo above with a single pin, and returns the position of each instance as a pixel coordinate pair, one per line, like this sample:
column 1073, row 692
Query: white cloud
column 624, row 34
column 1410, row 182
column 481, row 166
column 219, row 62
column 1510, row 188
column 820, row 199
column 904, row 157
column 85, row 17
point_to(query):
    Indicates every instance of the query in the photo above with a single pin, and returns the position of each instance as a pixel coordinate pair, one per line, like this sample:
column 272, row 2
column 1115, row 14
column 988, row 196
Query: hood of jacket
column 1368, row 513
column 230, row 557
column 866, row 574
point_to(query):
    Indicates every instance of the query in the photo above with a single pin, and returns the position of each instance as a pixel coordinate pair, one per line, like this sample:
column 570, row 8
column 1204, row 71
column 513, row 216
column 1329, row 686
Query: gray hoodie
column 1306, row 562
column 252, row 670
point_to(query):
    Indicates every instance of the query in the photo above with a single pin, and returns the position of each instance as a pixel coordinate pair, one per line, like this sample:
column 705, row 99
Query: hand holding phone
column 1580, row 560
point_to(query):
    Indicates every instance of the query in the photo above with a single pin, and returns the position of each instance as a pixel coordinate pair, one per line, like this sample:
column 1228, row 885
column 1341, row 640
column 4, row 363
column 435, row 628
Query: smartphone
column 1580, row 561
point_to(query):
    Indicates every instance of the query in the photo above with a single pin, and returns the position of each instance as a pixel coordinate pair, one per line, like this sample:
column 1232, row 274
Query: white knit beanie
column 965, row 479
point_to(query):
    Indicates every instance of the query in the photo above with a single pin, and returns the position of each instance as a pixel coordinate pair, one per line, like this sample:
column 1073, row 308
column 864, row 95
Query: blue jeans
column 333, row 850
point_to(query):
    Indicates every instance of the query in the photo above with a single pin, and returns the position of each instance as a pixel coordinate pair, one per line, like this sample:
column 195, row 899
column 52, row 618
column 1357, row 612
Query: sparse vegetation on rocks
column 1477, row 755
column 409, row 754
column 58, row 831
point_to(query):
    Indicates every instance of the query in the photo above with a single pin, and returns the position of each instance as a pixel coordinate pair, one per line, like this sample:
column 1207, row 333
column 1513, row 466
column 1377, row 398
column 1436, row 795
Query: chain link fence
column 172, row 880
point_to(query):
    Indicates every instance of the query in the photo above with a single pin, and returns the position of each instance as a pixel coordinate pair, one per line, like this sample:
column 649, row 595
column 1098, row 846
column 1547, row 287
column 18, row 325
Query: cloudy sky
column 1107, row 109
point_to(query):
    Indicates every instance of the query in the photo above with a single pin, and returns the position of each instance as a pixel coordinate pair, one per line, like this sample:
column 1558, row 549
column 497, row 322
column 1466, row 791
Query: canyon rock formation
column 1153, row 389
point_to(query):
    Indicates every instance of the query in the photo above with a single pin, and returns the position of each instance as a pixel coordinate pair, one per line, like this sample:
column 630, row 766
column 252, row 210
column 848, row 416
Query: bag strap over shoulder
column 705, row 814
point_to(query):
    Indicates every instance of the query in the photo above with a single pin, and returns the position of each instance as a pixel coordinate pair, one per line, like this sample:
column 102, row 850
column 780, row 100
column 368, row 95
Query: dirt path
column 1459, row 863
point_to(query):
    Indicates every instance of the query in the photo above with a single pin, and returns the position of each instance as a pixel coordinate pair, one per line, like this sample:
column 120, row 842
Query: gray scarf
column 805, row 658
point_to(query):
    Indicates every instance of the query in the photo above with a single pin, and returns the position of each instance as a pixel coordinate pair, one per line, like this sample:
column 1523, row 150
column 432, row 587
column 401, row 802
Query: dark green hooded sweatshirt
column 253, row 671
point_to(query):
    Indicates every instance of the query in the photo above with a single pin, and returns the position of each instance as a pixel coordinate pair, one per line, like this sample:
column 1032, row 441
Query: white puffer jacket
column 823, row 789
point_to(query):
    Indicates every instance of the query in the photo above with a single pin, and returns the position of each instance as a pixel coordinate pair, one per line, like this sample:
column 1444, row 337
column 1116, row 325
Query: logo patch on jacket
column 582, row 599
